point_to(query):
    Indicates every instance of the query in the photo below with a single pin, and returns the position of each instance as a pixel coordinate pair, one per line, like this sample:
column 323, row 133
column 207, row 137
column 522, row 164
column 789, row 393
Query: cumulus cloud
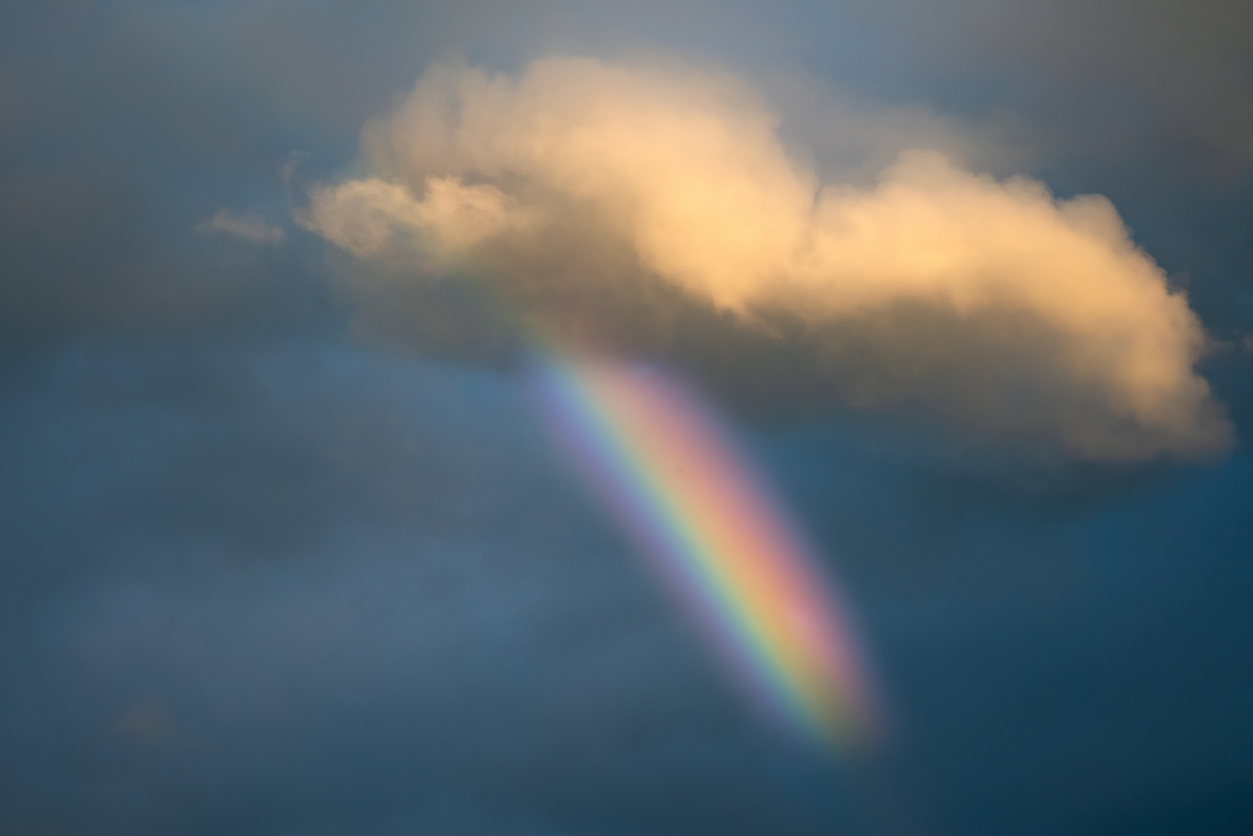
column 985, row 300
column 251, row 227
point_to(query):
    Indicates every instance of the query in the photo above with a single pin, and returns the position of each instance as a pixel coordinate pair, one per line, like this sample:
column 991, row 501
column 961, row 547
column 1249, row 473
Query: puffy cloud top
column 987, row 301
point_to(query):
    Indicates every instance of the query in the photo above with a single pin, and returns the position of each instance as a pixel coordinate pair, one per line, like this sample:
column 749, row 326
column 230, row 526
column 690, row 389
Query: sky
column 287, row 547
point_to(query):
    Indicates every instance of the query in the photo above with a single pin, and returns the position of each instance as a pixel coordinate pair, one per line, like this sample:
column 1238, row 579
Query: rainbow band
column 675, row 482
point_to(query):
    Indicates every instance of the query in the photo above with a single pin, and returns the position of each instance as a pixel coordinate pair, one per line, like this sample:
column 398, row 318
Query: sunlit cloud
column 987, row 301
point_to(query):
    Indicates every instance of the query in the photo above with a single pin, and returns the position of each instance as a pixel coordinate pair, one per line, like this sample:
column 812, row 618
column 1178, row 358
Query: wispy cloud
column 251, row 227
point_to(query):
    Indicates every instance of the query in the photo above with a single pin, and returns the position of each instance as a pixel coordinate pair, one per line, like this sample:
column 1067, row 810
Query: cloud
column 149, row 723
column 1188, row 62
column 251, row 227
column 987, row 301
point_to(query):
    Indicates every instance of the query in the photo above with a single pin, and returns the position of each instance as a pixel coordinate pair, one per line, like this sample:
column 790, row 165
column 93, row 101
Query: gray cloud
column 363, row 585
column 148, row 723
column 466, row 635
column 1190, row 64
column 251, row 227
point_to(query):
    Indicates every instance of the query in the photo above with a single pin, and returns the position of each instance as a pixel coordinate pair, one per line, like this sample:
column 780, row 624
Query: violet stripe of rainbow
column 662, row 465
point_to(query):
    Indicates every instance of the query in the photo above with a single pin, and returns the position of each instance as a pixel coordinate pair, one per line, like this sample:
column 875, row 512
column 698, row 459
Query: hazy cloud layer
column 1040, row 316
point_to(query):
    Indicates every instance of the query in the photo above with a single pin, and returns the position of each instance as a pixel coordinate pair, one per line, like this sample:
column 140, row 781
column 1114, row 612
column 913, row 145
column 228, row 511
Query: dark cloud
column 1185, row 68
column 337, row 645
column 115, row 148
column 223, row 619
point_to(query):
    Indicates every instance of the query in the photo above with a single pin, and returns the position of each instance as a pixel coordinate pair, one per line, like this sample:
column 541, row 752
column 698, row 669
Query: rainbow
column 673, row 479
